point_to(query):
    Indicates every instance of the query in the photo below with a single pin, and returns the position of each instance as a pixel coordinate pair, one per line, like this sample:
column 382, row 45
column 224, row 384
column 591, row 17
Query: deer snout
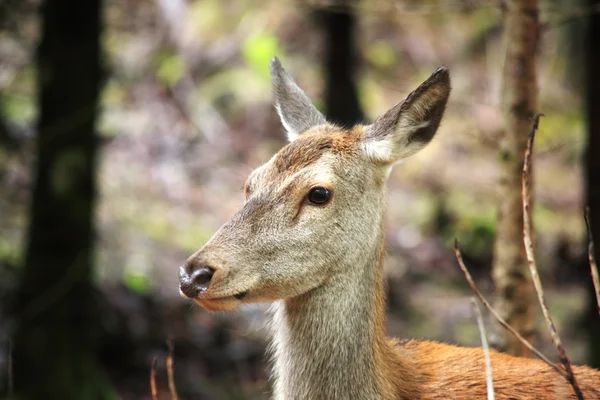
column 193, row 281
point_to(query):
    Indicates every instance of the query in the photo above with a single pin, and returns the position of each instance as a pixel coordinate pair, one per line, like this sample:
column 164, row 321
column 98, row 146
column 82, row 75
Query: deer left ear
column 410, row 125
column 296, row 111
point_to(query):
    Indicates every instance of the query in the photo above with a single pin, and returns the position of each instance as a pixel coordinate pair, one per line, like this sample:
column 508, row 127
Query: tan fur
column 322, row 266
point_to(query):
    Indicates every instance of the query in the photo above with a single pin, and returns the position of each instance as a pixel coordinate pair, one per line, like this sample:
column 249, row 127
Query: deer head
column 313, row 212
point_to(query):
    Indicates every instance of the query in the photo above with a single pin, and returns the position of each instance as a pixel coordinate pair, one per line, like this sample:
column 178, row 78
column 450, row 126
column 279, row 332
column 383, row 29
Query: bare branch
column 562, row 354
column 170, row 373
column 486, row 350
column 10, row 371
column 592, row 257
column 498, row 317
column 153, row 379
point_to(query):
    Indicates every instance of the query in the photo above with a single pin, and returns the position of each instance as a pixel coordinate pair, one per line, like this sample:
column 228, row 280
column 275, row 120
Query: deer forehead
column 311, row 158
column 311, row 145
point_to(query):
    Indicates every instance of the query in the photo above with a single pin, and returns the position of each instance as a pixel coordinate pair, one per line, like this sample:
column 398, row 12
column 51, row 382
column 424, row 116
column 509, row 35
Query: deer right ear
column 410, row 125
column 296, row 111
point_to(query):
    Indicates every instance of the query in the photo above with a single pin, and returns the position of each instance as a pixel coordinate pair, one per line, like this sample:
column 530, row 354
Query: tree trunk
column 341, row 98
column 55, row 316
column 516, row 297
column 592, row 321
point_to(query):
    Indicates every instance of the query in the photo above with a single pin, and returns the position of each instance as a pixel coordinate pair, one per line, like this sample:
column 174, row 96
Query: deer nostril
column 196, row 282
column 201, row 277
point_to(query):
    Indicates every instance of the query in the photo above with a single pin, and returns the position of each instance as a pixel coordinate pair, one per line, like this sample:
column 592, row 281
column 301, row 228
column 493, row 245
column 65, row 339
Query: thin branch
column 592, row 257
column 10, row 371
column 486, row 349
column 170, row 373
column 498, row 317
column 153, row 379
column 562, row 354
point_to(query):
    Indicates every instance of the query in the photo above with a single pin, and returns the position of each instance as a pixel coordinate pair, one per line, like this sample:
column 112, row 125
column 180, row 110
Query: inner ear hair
column 410, row 125
column 424, row 108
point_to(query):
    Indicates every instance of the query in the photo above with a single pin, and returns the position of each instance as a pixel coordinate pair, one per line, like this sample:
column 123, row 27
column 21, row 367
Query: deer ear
column 296, row 111
column 410, row 125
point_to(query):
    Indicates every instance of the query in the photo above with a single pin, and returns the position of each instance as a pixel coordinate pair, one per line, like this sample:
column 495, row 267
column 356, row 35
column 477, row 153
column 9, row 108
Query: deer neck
column 330, row 343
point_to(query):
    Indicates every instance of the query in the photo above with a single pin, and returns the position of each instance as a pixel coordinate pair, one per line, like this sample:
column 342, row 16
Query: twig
column 153, row 379
column 486, row 349
column 562, row 354
column 10, row 371
column 592, row 256
column 498, row 317
column 170, row 374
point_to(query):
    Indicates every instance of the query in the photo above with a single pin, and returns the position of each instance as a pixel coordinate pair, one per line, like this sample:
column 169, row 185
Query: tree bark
column 516, row 297
column 55, row 315
column 591, row 320
column 341, row 96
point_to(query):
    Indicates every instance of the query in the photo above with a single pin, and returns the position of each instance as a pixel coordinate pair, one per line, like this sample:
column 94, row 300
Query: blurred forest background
column 128, row 127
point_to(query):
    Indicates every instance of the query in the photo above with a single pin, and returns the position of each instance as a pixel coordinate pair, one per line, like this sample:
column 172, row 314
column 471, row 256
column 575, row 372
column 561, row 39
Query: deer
column 310, row 240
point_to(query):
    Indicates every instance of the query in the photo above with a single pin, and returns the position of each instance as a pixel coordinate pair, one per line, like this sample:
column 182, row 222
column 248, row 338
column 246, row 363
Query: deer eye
column 319, row 195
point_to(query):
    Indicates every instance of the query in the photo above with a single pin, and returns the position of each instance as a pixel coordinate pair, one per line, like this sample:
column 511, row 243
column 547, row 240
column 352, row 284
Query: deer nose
column 196, row 282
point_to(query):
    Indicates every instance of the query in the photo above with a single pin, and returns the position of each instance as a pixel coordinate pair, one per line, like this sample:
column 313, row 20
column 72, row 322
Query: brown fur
column 309, row 147
column 459, row 373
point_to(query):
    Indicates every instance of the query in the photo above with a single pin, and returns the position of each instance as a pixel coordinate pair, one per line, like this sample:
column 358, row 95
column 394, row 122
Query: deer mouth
column 218, row 304
column 224, row 303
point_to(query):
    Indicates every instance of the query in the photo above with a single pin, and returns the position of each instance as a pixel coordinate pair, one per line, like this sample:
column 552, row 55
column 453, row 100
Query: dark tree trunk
column 592, row 320
column 341, row 98
column 55, row 315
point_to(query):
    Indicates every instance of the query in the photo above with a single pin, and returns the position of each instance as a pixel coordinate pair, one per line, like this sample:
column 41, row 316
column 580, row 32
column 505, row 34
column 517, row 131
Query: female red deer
column 310, row 239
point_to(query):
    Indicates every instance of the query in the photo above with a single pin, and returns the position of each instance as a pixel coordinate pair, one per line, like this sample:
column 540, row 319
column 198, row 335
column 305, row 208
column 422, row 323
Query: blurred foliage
column 189, row 238
column 209, row 18
column 240, row 86
column 171, row 68
column 138, row 281
column 259, row 49
column 382, row 55
column 19, row 109
column 9, row 253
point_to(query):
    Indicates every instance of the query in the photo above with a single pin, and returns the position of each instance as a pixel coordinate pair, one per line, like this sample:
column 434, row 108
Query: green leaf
column 171, row 69
column 19, row 109
column 382, row 55
column 137, row 281
column 258, row 49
